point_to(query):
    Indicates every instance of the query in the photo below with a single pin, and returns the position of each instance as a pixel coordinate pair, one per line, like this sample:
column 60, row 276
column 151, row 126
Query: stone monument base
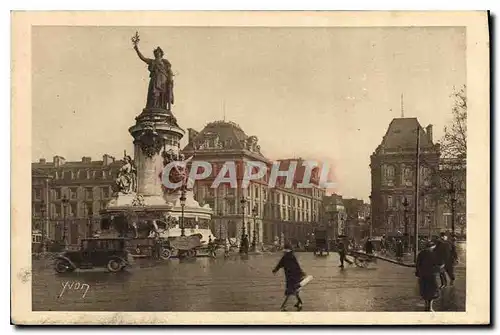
column 159, row 208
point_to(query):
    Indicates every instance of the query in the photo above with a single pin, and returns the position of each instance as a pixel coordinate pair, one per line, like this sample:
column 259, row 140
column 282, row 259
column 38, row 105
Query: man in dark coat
column 342, row 249
column 293, row 276
column 383, row 245
column 399, row 249
column 369, row 246
column 427, row 268
column 244, row 245
column 444, row 257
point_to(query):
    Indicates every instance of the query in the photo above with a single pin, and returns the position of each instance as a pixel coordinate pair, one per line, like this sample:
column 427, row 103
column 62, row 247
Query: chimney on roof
column 428, row 131
column 86, row 159
column 42, row 161
column 107, row 159
column 58, row 161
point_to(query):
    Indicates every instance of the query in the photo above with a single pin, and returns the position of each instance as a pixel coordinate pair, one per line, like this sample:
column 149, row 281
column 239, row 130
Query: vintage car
column 185, row 246
column 321, row 243
column 109, row 253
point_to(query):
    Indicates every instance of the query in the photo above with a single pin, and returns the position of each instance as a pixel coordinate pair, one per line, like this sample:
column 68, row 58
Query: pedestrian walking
column 293, row 276
column 369, row 246
column 245, row 244
column 342, row 250
column 383, row 245
column 446, row 259
column 427, row 269
column 399, row 249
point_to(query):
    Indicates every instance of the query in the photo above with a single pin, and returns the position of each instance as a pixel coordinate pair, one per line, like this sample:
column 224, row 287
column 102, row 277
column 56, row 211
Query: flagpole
column 417, row 198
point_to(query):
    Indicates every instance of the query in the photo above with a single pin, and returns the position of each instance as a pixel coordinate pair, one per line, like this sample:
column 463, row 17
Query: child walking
column 293, row 276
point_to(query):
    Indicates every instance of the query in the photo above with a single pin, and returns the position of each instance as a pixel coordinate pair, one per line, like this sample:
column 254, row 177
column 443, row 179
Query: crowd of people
column 434, row 265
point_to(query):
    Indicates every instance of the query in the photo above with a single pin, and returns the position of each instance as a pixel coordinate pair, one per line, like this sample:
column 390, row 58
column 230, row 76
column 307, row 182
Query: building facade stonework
column 86, row 185
column 393, row 179
column 441, row 183
column 269, row 212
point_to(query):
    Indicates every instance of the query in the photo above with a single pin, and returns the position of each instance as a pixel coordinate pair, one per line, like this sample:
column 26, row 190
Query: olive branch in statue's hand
column 135, row 39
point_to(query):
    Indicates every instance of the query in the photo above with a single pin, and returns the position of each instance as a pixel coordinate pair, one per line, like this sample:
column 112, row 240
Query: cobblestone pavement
column 237, row 284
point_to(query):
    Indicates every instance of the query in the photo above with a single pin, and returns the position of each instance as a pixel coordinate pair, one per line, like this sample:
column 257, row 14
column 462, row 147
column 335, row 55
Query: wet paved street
column 237, row 284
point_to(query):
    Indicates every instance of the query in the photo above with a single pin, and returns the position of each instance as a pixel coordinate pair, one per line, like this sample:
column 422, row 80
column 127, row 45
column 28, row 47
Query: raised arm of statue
column 141, row 56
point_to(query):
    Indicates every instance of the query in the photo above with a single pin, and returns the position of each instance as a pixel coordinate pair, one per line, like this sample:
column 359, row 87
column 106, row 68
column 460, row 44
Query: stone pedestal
column 156, row 131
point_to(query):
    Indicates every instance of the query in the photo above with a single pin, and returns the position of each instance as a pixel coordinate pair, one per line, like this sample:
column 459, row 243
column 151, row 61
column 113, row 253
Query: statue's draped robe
column 127, row 178
column 160, row 91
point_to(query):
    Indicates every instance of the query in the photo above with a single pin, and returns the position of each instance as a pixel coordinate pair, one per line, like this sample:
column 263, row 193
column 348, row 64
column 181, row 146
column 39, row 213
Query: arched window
column 406, row 176
column 388, row 173
column 425, row 175
column 390, row 202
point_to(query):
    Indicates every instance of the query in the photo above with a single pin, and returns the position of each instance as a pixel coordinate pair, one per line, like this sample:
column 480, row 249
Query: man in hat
column 427, row 268
column 383, row 245
column 342, row 250
column 444, row 257
column 293, row 276
column 369, row 246
column 399, row 248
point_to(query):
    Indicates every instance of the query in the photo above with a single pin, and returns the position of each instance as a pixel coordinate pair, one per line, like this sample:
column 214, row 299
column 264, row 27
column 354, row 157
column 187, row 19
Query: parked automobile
column 108, row 253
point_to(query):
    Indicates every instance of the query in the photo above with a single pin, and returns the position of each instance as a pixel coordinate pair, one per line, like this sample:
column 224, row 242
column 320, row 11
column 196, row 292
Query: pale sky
column 318, row 93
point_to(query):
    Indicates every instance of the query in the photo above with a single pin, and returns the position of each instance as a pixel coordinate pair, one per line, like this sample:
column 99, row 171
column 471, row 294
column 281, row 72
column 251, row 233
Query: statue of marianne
column 161, row 83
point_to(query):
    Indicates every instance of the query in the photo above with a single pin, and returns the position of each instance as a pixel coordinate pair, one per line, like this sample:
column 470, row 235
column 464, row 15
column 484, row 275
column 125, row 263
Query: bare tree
column 452, row 169
column 454, row 141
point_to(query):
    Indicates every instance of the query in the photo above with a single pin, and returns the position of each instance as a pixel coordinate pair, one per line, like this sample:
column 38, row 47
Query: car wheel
column 115, row 265
column 62, row 266
column 165, row 253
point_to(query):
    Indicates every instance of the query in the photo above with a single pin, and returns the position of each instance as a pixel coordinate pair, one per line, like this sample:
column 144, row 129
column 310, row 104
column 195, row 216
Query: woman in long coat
column 427, row 271
column 293, row 276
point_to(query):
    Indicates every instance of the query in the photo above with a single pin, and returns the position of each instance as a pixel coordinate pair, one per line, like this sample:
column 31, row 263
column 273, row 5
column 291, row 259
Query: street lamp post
column 42, row 210
column 254, row 237
column 345, row 231
column 332, row 226
column 453, row 204
column 243, row 205
column 369, row 223
column 407, row 235
column 220, row 225
column 183, row 204
column 65, row 203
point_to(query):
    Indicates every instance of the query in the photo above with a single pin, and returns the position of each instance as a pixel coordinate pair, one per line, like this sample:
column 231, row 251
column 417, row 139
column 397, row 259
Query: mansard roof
column 222, row 135
column 402, row 134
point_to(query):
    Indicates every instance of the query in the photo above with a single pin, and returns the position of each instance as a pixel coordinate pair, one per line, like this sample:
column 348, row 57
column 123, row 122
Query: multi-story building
column 267, row 211
column 452, row 196
column 334, row 215
column 393, row 167
column 74, row 192
column 357, row 218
